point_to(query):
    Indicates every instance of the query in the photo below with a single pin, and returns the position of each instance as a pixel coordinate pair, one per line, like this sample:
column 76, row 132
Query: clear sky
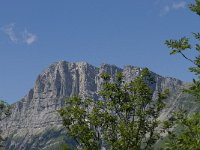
column 36, row 33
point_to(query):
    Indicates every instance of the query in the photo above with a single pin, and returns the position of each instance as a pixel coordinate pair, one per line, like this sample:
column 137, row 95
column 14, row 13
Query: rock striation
column 35, row 124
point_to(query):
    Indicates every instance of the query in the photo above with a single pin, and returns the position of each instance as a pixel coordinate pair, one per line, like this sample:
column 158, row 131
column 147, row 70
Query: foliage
column 179, row 46
column 195, row 7
column 4, row 109
column 65, row 147
column 188, row 136
column 4, row 112
column 125, row 118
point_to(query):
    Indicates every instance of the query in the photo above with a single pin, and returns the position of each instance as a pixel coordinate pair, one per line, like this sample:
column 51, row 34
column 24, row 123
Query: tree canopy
column 188, row 135
column 4, row 112
column 126, row 116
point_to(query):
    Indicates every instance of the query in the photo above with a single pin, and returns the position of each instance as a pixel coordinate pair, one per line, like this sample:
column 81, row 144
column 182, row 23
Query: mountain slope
column 35, row 123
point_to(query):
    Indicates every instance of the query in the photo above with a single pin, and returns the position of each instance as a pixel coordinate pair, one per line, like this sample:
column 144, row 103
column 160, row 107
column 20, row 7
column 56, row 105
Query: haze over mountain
column 35, row 124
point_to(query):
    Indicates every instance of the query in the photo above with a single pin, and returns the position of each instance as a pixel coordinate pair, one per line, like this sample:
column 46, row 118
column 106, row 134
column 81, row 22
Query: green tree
column 188, row 135
column 126, row 117
column 4, row 112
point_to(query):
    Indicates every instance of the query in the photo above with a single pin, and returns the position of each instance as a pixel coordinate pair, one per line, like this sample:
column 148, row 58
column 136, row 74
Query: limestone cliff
column 35, row 124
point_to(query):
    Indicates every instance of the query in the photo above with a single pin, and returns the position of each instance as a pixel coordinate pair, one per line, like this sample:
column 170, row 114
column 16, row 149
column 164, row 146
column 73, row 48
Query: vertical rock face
column 36, row 112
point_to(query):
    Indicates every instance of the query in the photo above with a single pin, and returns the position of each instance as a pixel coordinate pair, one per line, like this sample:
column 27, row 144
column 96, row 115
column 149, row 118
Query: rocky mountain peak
column 37, row 111
column 63, row 79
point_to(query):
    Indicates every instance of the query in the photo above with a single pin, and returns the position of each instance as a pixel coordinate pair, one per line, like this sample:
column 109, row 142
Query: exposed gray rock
column 36, row 112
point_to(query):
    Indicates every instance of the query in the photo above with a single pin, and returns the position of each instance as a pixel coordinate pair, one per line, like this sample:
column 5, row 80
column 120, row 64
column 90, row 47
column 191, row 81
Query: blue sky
column 34, row 34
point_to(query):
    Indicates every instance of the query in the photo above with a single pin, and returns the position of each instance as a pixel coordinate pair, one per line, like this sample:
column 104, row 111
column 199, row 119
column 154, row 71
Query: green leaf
column 196, row 35
column 195, row 7
column 173, row 52
column 197, row 47
column 177, row 46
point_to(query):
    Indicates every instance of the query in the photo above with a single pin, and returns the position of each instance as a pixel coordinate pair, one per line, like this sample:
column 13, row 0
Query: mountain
column 35, row 124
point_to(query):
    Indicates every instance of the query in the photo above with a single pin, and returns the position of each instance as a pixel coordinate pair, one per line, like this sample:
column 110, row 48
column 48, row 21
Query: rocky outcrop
column 36, row 113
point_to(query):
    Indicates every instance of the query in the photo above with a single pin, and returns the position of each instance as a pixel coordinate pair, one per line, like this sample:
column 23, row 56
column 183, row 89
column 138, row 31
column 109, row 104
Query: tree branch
column 192, row 61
